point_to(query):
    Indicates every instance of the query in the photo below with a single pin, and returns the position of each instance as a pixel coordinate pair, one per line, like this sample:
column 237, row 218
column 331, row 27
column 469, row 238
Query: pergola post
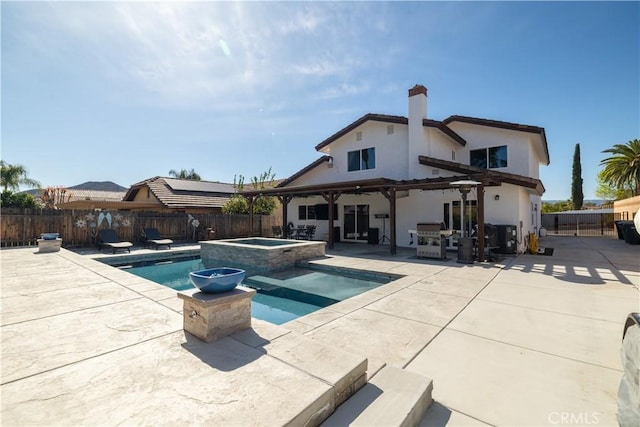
column 480, row 201
column 392, row 220
column 331, row 198
column 251, row 201
column 284, row 201
column 391, row 196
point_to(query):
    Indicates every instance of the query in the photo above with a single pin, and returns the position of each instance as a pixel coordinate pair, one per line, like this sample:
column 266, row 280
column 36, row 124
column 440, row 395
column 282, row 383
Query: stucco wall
column 390, row 150
column 521, row 158
column 145, row 195
column 626, row 208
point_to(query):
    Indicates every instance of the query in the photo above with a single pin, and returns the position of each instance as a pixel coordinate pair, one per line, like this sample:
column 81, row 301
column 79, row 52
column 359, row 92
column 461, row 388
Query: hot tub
column 259, row 254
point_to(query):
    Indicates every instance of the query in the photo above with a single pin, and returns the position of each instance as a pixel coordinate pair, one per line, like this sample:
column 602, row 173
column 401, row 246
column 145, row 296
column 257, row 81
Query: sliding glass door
column 356, row 222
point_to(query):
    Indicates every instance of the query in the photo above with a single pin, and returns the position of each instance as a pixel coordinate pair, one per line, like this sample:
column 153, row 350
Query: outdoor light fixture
column 497, row 197
column 330, row 162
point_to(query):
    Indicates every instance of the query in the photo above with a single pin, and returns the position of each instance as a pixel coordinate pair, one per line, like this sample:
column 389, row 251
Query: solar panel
column 199, row 186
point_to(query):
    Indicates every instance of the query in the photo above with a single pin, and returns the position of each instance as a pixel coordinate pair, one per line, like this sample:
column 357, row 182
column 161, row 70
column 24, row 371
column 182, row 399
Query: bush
column 19, row 200
column 236, row 205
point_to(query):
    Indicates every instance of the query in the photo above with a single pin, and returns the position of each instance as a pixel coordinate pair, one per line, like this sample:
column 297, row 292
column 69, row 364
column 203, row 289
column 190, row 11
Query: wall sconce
column 330, row 162
column 496, row 197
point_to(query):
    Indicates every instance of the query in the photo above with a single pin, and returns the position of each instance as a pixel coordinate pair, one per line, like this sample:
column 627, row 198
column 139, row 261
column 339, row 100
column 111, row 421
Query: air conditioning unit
column 507, row 239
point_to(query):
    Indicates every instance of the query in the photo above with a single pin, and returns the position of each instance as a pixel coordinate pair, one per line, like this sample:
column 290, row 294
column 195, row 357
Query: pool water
column 281, row 295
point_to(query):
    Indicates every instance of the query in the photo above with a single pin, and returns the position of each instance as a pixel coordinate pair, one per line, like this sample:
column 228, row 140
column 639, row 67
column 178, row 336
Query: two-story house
column 393, row 172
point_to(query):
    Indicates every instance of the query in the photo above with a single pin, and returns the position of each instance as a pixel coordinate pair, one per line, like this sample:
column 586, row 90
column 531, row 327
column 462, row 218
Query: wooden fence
column 21, row 227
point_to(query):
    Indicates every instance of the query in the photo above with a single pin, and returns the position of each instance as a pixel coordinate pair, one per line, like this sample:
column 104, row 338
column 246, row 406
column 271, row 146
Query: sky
column 126, row 91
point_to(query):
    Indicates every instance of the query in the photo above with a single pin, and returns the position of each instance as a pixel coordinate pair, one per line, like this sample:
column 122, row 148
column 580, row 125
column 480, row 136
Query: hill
column 596, row 202
column 99, row 186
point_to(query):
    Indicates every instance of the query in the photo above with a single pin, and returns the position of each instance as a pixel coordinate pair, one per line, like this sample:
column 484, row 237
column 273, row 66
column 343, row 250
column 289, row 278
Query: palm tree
column 12, row 176
column 623, row 167
column 185, row 174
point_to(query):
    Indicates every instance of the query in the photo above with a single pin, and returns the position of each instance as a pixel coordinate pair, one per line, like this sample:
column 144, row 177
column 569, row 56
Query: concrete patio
column 532, row 340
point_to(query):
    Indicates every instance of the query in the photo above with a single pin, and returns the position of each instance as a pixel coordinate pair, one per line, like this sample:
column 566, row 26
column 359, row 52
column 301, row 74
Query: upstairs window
column 489, row 158
column 361, row 159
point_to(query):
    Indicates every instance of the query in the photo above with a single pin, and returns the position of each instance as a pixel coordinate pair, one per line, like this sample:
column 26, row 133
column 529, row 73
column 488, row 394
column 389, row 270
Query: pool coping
column 471, row 352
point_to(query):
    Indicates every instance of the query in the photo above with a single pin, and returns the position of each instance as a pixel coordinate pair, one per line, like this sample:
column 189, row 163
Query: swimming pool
column 282, row 295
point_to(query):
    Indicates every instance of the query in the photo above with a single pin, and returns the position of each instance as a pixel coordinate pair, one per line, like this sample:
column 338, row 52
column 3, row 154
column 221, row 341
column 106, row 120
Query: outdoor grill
column 432, row 240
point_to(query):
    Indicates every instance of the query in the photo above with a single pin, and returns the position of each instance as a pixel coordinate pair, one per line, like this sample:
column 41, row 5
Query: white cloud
column 216, row 55
column 345, row 89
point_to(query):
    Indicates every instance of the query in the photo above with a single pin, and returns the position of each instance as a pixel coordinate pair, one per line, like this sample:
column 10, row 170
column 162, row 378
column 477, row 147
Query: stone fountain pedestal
column 213, row 316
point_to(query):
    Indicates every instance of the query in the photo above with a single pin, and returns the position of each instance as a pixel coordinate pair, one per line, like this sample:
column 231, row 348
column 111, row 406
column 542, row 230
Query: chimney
column 418, row 136
column 417, row 103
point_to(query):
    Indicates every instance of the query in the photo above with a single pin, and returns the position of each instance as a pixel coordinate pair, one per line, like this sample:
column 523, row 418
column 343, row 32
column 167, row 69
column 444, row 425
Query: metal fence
column 581, row 224
column 21, row 227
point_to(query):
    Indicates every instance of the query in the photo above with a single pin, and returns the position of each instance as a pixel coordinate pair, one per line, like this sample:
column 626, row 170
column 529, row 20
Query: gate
column 585, row 223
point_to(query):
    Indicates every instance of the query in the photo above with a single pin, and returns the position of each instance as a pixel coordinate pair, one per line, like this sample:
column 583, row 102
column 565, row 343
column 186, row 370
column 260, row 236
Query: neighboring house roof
column 90, row 190
column 390, row 119
column 181, row 193
column 503, row 125
column 73, row 195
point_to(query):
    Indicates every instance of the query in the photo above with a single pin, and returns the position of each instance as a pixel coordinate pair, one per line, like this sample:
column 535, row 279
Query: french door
column 356, row 222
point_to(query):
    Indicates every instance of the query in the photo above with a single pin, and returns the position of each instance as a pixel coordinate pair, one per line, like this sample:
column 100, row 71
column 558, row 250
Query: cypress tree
column 576, row 182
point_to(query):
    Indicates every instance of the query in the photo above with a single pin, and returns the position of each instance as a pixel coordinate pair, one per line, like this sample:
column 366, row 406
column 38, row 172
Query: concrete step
column 343, row 372
column 393, row 397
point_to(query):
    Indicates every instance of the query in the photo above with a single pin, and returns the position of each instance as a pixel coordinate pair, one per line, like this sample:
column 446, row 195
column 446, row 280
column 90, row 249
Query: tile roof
column 180, row 194
column 391, row 119
column 73, row 195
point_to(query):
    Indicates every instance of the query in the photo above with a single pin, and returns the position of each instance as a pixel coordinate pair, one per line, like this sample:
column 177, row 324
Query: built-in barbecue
column 432, row 240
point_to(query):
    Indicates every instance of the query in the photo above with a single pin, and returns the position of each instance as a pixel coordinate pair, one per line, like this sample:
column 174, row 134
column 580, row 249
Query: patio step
column 393, row 397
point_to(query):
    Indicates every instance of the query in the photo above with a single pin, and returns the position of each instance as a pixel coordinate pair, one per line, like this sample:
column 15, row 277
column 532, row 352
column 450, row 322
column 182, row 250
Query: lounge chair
column 109, row 238
column 152, row 236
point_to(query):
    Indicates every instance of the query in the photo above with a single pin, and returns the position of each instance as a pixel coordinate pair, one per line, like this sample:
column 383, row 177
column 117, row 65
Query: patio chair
column 291, row 231
column 152, row 236
column 311, row 230
column 109, row 238
column 301, row 232
column 277, row 231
